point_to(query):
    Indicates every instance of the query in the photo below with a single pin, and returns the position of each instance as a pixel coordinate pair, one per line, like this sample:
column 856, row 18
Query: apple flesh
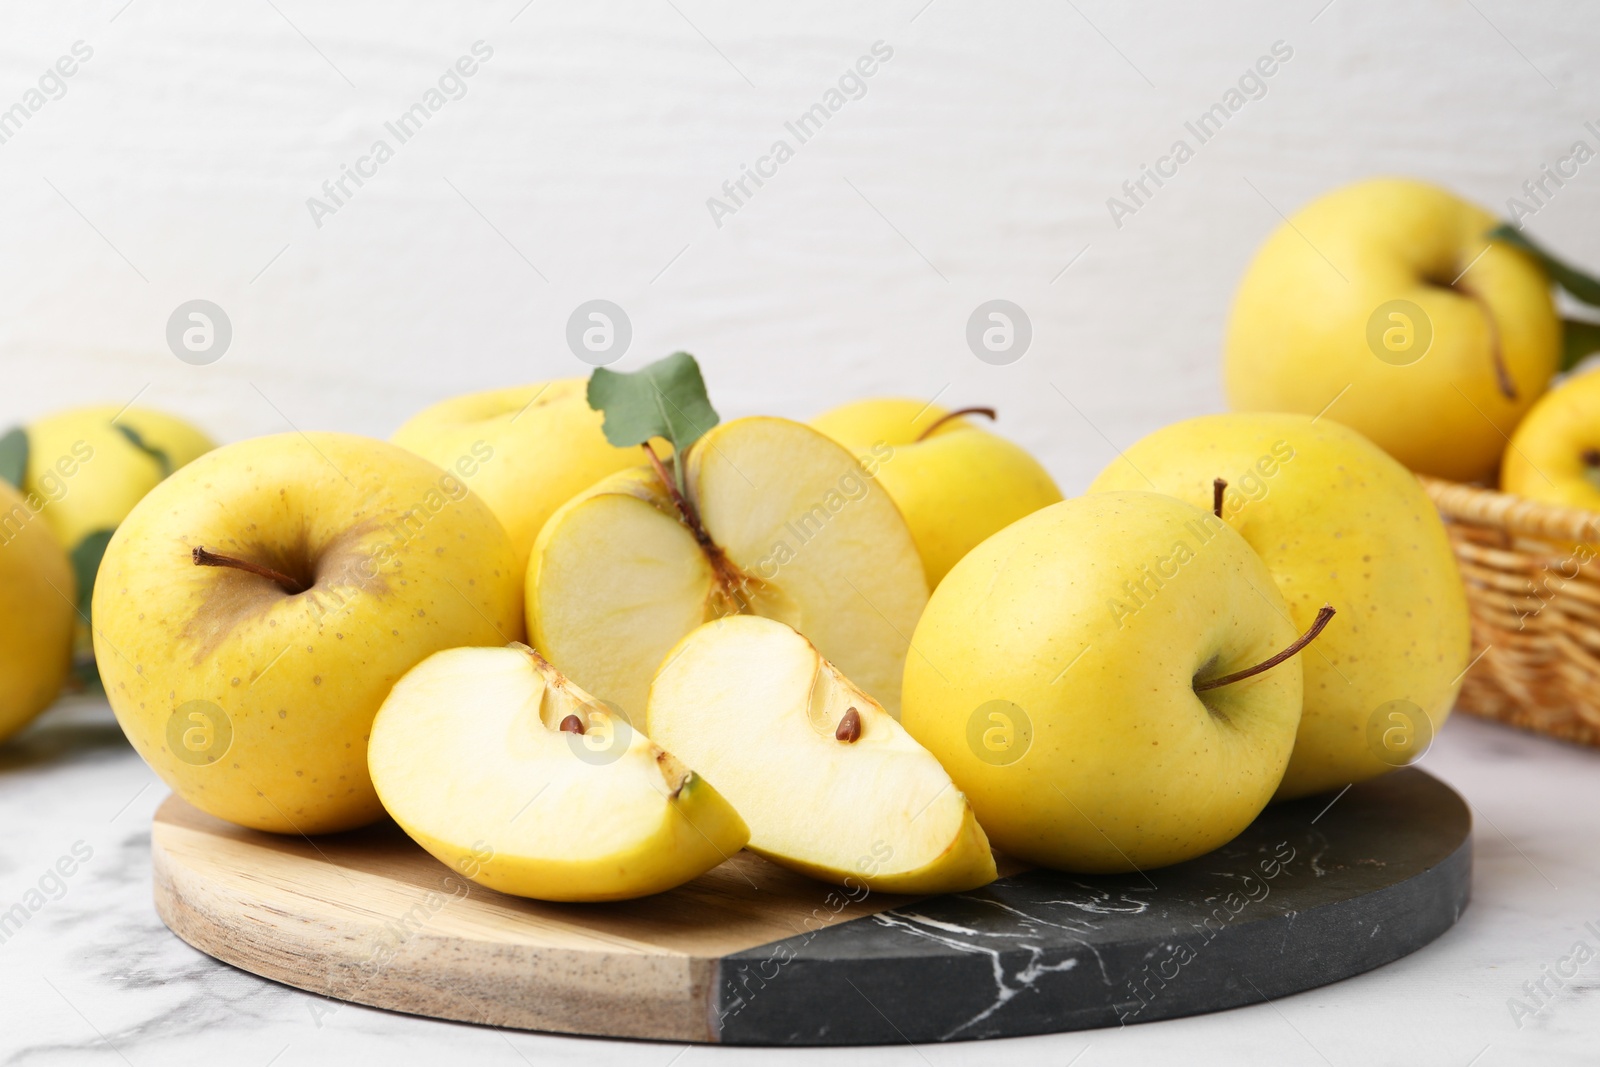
column 524, row 451
column 955, row 482
column 789, row 527
column 830, row 784
column 251, row 698
column 1058, row 680
column 502, row 768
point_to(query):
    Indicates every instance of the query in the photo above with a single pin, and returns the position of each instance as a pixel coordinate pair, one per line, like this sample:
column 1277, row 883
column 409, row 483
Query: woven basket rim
column 1481, row 506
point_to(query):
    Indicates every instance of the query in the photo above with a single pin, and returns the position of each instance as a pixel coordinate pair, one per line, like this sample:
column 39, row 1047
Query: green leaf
column 134, row 438
column 14, row 456
column 665, row 399
column 86, row 556
column 1583, row 287
column 1578, row 339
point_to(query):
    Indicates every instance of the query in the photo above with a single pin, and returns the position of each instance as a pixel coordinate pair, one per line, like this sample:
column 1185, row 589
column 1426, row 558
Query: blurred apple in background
column 1555, row 453
column 1386, row 305
column 955, row 482
column 84, row 469
column 524, row 451
column 254, row 610
column 36, row 613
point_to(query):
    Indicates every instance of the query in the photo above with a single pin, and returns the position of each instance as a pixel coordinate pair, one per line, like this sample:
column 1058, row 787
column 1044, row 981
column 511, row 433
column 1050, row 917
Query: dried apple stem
column 988, row 413
column 1218, row 487
column 728, row 576
column 203, row 558
column 1324, row 614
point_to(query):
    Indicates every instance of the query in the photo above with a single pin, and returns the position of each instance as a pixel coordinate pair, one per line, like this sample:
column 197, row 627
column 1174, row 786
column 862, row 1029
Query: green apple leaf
column 86, row 556
column 665, row 399
column 1583, row 287
column 1578, row 339
column 162, row 459
column 14, row 456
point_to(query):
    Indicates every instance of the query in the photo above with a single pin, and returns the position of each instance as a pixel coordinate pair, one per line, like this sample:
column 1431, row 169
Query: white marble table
column 94, row 976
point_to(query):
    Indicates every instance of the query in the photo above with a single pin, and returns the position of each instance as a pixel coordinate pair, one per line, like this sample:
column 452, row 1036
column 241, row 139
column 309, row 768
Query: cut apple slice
column 780, row 522
column 830, row 784
column 505, row 770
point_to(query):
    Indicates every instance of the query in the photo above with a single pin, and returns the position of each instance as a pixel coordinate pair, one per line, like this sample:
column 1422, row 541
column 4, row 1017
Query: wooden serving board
column 753, row 954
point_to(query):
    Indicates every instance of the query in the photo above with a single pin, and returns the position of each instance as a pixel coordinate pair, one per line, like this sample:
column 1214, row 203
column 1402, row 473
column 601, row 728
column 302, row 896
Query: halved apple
column 829, row 782
column 779, row 521
column 505, row 770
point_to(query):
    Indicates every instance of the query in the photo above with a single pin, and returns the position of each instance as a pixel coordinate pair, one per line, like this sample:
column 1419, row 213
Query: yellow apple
column 37, row 594
column 1385, row 304
column 1555, row 453
column 504, row 769
column 90, row 471
column 954, row 482
column 1339, row 522
column 525, row 450
column 1061, row 678
column 84, row 469
column 337, row 563
column 830, row 784
column 786, row 525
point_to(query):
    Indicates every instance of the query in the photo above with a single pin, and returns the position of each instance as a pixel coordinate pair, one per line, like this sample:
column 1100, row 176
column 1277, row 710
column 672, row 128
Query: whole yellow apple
column 37, row 594
column 255, row 608
column 954, row 482
column 1385, row 305
column 1066, row 674
column 1339, row 522
column 525, row 450
column 90, row 466
column 84, row 469
column 1555, row 453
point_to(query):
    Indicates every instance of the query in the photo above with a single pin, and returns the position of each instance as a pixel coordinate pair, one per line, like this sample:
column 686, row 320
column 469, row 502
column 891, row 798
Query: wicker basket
column 1532, row 573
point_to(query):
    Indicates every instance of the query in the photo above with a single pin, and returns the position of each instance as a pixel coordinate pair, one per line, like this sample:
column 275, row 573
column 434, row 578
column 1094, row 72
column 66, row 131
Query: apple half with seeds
column 830, row 784
column 772, row 519
column 504, row 769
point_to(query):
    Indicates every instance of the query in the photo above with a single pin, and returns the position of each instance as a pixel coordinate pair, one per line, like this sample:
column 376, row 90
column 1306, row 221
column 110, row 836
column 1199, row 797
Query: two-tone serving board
column 753, row 954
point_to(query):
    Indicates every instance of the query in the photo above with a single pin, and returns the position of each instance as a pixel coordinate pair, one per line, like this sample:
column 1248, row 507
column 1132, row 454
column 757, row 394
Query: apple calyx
column 731, row 582
column 1218, row 487
column 849, row 730
column 204, row 558
column 988, row 413
column 1324, row 614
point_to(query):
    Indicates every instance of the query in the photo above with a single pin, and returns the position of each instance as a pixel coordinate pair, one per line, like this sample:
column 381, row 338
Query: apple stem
column 1324, row 614
column 849, row 730
column 203, row 558
column 690, row 519
column 988, row 413
column 1502, row 375
column 728, row 575
column 1218, row 487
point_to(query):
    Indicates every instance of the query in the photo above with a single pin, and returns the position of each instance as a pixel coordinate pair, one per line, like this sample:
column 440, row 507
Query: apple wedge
column 504, row 769
column 778, row 521
column 831, row 785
